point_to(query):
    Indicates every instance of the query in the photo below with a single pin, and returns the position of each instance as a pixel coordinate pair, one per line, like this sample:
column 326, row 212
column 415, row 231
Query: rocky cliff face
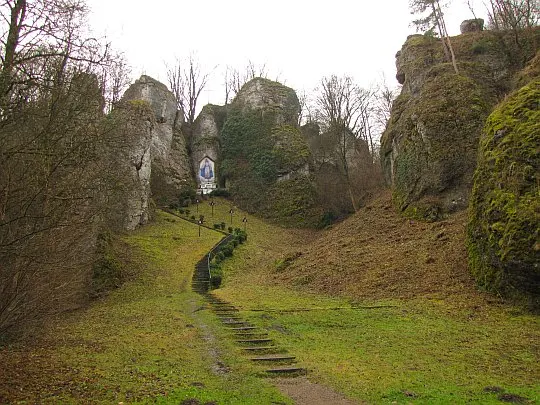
column 133, row 126
column 271, row 97
column 205, row 136
column 265, row 158
column 170, row 170
column 429, row 148
column 504, row 219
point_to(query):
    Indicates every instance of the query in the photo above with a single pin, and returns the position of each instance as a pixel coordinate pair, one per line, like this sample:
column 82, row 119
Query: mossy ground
column 353, row 306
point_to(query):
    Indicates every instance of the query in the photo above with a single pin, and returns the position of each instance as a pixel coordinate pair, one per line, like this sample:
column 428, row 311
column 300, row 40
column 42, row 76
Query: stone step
column 236, row 323
column 260, row 348
column 287, row 370
column 250, row 341
column 243, row 328
column 222, row 314
column 274, row 357
column 251, row 335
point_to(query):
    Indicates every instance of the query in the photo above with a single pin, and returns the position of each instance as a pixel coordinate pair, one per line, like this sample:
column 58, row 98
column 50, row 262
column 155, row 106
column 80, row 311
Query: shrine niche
column 207, row 175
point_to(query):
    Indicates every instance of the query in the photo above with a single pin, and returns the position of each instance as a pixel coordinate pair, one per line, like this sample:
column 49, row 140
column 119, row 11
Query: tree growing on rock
column 234, row 78
column 513, row 14
column 187, row 80
column 433, row 18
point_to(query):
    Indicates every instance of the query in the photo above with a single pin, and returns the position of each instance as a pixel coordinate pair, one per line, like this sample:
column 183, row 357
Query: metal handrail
column 216, row 247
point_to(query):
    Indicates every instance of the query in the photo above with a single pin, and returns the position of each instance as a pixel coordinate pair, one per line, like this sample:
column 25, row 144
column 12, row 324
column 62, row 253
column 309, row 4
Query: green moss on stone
column 290, row 148
column 504, row 219
column 439, row 132
column 255, row 152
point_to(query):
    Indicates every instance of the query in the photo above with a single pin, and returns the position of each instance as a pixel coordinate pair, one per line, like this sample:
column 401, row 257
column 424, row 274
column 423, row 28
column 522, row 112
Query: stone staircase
column 252, row 340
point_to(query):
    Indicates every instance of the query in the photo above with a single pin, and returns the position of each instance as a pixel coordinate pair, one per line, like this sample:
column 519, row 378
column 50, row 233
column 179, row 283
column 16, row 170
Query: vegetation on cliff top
column 255, row 152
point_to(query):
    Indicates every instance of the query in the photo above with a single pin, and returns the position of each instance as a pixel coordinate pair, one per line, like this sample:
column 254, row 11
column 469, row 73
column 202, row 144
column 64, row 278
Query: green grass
column 152, row 341
column 417, row 351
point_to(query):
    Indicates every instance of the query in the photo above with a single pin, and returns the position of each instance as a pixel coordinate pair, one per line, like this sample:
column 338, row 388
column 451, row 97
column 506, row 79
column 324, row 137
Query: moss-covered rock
column 290, row 149
column 269, row 96
column 265, row 158
column 429, row 148
column 504, row 219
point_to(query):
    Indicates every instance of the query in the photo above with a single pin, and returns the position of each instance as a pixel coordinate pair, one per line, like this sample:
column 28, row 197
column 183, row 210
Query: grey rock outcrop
column 170, row 162
column 205, row 134
column 134, row 122
column 429, row 147
column 474, row 25
column 267, row 95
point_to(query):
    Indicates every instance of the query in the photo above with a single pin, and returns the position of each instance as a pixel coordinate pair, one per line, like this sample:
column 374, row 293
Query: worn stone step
column 260, row 348
column 274, row 357
column 225, row 314
column 287, row 370
column 243, row 328
column 253, row 341
column 251, row 335
column 235, row 323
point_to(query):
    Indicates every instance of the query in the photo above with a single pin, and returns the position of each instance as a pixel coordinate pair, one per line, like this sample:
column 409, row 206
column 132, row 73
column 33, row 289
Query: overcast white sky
column 300, row 41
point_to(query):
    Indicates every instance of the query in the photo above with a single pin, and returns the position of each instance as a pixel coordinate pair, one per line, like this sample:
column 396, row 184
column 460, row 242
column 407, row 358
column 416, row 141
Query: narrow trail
column 258, row 347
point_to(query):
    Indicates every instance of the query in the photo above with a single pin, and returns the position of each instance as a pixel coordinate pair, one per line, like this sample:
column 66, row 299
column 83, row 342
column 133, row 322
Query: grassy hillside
column 148, row 342
column 384, row 309
column 379, row 308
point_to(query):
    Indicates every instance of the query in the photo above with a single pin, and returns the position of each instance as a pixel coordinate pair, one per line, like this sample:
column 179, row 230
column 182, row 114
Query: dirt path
column 305, row 392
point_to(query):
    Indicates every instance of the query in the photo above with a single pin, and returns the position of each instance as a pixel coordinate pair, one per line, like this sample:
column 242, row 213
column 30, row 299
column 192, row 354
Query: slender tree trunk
column 351, row 195
column 18, row 14
column 447, row 37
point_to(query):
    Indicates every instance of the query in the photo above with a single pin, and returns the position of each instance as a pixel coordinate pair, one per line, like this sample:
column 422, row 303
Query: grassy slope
column 435, row 339
column 145, row 342
column 429, row 337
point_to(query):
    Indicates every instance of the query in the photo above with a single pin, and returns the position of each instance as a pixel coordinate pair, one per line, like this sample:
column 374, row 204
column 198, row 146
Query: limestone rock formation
column 269, row 96
column 205, row 135
column 474, row 25
column 429, row 147
column 265, row 157
column 504, row 219
column 170, row 163
column 134, row 123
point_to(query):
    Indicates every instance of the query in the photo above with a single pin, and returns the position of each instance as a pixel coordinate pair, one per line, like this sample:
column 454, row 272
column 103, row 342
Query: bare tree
column 115, row 80
column 187, row 81
column 306, row 114
column 51, row 147
column 433, row 19
column 384, row 100
column 234, row 78
column 513, row 14
column 344, row 110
